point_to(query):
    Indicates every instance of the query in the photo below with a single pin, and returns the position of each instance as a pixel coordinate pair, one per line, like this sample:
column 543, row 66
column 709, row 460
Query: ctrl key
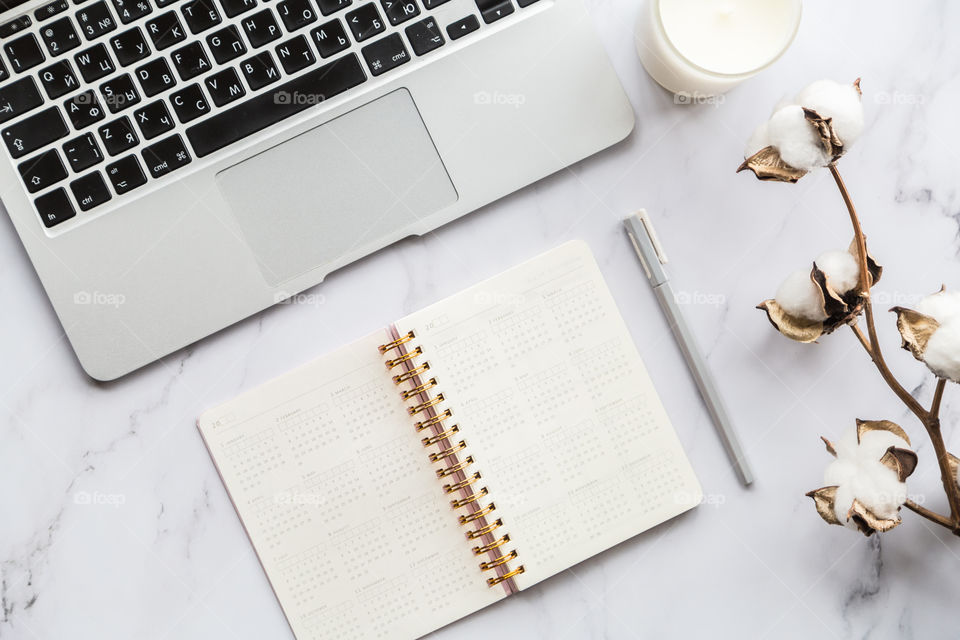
column 90, row 191
column 125, row 174
column 54, row 208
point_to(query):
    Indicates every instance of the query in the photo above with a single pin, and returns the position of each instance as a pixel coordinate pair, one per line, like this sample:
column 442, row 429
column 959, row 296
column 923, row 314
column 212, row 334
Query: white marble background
column 169, row 558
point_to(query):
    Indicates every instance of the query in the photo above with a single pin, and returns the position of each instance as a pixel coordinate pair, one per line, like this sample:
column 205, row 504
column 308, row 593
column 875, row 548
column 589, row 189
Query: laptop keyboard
column 105, row 96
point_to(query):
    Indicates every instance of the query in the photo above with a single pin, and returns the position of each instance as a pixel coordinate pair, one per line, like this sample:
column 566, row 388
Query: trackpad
column 339, row 191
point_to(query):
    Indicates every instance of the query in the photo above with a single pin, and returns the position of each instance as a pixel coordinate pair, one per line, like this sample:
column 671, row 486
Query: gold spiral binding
column 411, row 370
column 482, row 531
column 437, row 419
column 479, row 551
column 432, row 440
column 492, row 582
column 449, row 451
column 396, row 343
column 417, row 390
column 479, row 513
column 504, row 559
column 450, row 488
column 473, row 497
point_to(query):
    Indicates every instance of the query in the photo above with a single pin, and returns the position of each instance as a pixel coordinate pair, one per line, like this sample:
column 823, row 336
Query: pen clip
column 654, row 239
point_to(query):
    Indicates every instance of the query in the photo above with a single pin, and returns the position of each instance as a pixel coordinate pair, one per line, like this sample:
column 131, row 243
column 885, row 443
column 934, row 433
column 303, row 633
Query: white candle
column 705, row 47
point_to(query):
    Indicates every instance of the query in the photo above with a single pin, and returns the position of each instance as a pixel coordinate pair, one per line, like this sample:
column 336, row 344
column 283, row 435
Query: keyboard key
column 154, row 119
column 130, row 46
column 260, row 70
column 385, row 54
column 525, row 3
column 130, row 10
column 330, row 6
column 425, row 36
column 365, row 22
column 189, row 103
column 42, row 171
column 34, row 132
column 398, row 11
column 462, row 27
column 94, row 63
column 82, row 152
column 83, row 109
column 95, row 20
column 16, row 25
column 295, row 54
column 165, row 156
column 493, row 10
column 3, row 72
column 19, row 97
column 155, row 76
column 433, row 4
column 296, row 13
column 200, row 15
column 261, row 28
column 224, row 87
column 126, row 174
column 330, row 38
column 118, row 136
column 165, row 30
column 119, row 93
column 236, row 7
column 190, row 61
column 54, row 208
column 258, row 113
column 225, row 44
column 90, row 191
column 51, row 9
column 60, row 36
column 58, row 79
column 164, row 3
column 24, row 53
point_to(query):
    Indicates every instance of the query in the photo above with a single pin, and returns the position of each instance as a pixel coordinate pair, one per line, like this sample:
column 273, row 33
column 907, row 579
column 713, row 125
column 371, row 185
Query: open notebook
column 512, row 434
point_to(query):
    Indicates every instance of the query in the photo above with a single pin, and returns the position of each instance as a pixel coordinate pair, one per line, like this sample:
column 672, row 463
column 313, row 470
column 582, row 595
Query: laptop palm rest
column 350, row 185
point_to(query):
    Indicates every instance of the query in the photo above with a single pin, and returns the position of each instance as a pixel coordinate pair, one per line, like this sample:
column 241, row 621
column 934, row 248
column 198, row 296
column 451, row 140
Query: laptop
column 174, row 166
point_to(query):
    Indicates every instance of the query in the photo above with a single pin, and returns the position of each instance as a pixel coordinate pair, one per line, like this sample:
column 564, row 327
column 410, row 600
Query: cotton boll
column 796, row 140
column 841, row 268
column 801, row 298
column 880, row 490
column 943, row 306
column 943, row 351
column 838, row 101
column 759, row 140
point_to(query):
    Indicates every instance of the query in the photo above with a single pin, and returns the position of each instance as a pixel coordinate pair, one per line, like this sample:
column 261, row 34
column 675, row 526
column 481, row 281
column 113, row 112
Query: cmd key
column 19, row 97
column 165, row 156
column 34, row 132
column 385, row 54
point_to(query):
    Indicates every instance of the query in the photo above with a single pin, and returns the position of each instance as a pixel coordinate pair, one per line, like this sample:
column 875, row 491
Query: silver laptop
column 173, row 166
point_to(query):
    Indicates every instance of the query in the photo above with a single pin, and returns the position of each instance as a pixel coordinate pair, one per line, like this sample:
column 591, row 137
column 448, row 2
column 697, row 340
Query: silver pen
column 651, row 255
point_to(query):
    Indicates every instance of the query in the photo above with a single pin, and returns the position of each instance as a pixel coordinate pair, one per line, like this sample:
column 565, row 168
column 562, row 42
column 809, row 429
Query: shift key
column 34, row 132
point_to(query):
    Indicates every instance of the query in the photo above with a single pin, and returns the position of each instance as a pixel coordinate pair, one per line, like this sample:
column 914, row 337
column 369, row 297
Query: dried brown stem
column 870, row 342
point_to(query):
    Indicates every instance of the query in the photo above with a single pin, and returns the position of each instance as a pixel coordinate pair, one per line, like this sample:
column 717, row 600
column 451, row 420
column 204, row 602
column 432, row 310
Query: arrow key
column 42, row 171
column 462, row 27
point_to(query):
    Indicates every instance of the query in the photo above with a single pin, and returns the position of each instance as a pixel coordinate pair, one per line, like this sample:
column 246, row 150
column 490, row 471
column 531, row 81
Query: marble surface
column 114, row 524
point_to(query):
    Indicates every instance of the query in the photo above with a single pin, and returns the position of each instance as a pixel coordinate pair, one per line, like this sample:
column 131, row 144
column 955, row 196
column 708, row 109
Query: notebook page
column 557, row 409
column 334, row 489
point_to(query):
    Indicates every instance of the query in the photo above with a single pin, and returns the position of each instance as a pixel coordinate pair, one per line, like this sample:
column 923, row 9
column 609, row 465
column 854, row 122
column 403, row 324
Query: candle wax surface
column 730, row 36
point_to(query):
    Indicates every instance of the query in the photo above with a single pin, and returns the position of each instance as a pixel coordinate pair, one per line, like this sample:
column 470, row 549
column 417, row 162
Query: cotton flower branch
column 865, row 485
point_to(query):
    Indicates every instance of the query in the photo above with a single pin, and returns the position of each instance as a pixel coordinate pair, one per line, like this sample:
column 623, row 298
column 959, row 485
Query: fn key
column 385, row 54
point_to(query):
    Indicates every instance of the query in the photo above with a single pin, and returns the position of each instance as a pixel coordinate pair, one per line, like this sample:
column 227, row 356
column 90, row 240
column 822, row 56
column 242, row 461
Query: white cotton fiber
column 873, row 444
column 842, row 503
column 799, row 297
column 796, row 139
column 840, row 101
column 942, row 306
column 840, row 471
column 841, row 268
column 942, row 355
column 759, row 140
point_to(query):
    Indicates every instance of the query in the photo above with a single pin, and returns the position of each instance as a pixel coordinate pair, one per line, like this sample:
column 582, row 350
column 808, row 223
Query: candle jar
column 702, row 48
